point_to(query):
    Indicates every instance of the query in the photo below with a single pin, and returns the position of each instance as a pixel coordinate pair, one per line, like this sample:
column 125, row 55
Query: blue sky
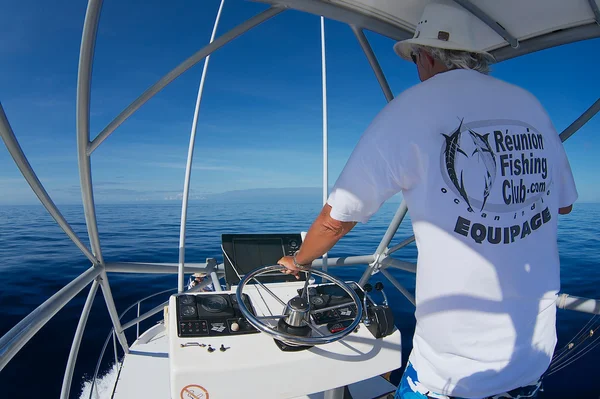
column 260, row 121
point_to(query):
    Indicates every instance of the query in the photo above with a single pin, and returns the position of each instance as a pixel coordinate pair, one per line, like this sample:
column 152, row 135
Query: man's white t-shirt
column 483, row 172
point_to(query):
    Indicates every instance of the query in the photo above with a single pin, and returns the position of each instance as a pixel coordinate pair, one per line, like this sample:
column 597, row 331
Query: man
column 484, row 175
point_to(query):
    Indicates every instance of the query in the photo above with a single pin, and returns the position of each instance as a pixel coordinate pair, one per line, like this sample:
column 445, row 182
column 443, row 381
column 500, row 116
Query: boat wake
column 103, row 388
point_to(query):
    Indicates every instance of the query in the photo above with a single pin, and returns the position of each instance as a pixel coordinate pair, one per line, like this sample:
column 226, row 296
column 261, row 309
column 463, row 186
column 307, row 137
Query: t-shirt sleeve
column 567, row 191
column 368, row 179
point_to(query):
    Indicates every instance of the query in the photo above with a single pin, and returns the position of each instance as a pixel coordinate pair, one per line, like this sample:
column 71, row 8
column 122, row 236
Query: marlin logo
column 483, row 149
column 451, row 154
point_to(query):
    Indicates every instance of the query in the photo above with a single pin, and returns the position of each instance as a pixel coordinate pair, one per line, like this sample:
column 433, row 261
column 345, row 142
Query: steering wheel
column 297, row 312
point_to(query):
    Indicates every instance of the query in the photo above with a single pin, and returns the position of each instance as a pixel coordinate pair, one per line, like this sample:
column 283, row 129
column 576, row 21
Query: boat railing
column 12, row 342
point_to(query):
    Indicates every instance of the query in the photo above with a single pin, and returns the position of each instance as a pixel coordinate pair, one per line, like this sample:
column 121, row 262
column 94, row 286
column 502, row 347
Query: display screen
column 250, row 254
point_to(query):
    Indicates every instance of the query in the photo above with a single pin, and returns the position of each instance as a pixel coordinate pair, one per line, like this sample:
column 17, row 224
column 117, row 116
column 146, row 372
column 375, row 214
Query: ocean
column 37, row 259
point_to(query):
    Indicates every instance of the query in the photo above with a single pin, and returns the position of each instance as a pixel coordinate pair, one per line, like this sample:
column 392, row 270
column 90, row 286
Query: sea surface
column 37, row 259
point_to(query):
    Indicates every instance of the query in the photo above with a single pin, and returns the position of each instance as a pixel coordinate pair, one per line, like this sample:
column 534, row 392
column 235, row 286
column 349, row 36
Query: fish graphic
column 483, row 149
column 451, row 153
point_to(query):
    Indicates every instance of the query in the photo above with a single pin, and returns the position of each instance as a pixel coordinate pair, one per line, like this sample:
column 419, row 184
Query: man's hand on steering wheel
column 288, row 263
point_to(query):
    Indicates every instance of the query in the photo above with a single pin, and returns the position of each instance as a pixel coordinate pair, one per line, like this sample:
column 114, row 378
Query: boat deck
column 145, row 372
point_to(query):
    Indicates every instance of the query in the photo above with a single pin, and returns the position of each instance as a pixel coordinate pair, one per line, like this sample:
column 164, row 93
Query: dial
column 317, row 301
column 293, row 244
column 214, row 303
column 186, row 300
column 188, row 310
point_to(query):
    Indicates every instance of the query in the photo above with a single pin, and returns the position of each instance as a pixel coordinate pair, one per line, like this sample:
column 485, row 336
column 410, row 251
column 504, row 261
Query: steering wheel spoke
column 314, row 327
column 270, row 292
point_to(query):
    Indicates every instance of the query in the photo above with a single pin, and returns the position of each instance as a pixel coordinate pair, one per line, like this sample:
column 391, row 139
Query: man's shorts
column 410, row 388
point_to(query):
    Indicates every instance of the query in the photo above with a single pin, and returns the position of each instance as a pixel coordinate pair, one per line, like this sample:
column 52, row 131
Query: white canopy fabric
column 509, row 27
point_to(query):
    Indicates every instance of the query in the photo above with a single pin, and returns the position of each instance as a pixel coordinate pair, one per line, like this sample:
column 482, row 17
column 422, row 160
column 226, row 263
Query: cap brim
column 404, row 48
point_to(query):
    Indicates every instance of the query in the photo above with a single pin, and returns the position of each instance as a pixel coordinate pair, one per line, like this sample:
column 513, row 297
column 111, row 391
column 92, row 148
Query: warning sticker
column 194, row 392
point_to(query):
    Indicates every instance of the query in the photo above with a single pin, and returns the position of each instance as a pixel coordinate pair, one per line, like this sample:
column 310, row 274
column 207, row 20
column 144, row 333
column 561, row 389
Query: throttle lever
column 379, row 287
column 367, row 288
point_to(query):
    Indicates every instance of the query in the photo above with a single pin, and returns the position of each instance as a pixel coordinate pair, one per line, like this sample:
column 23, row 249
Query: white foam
column 104, row 385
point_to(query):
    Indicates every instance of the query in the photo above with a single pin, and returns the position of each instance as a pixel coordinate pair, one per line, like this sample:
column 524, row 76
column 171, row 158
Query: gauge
column 186, row 299
column 188, row 311
column 317, row 301
column 214, row 303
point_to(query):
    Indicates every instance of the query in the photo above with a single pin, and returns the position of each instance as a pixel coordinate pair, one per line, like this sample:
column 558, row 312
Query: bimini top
column 509, row 28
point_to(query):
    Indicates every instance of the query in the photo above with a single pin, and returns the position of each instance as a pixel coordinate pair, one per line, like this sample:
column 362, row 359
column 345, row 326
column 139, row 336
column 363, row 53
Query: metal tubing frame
column 20, row 159
column 582, row 120
column 84, row 82
column 188, row 166
column 345, row 261
column 68, row 377
column 325, row 133
column 146, row 315
column 549, row 40
column 385, row 241
column 214, row 277
column 486, row 19
column 20, row 334
column 585, row 305
column 396, row 247
column 399, row 286
column 115, row 350
column 368, row 50
column 155, row 268
column 137, row 325
column 180, row 69
column 112, row 311
column 398, row 264
column 389, row 96
column 595, row 9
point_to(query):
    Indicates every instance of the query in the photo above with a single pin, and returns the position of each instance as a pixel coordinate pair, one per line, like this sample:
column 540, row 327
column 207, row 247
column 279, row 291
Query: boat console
column 212, row 314
column 277, row 339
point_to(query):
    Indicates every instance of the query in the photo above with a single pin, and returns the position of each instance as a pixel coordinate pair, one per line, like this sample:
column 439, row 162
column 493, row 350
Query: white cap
column 445, row 24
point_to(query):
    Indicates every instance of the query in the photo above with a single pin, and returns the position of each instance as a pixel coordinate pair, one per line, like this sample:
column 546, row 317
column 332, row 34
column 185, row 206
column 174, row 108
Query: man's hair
column 460, row 59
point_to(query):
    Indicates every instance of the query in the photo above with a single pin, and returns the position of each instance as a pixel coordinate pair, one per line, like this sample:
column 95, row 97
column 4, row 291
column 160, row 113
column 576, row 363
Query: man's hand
column 566, row 210
column 288, row 263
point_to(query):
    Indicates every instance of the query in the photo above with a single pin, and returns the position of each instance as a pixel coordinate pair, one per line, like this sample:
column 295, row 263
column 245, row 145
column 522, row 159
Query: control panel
column 333, row 306
column 211, row 315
